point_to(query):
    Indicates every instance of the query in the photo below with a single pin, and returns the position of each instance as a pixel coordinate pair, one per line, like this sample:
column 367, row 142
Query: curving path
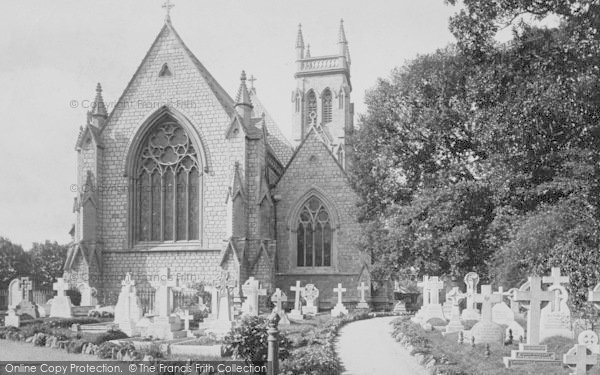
column 20, row 351
column 366, row 347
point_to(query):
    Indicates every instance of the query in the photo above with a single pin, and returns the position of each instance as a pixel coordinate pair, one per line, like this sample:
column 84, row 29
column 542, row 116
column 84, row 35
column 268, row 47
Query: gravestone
column 454, row 296
column 362, row 288
column 26, row 306
column 296, row 313
column 15, row 293
column 278, row 298
column 580, row 359
column 590, row 339
column 485, row 330
column 128, row 311
column 399, row 308
column 502, row 314
column 186, row 316
column 532, row 351
column 339, row 308
column 470, row 312
column 12, row 319
column 223, row 292
column 310, row 293
column 431, row 309
column 61, row 303
column 555, row 318
column 165, row 325
column 252, row 290
column 515, row 306
column 88, row 295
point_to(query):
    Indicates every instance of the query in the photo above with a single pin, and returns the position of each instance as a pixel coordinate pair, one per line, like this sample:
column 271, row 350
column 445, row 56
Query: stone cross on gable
column 278, row 298
column 167, row 6
column 487, row 300
column 555, row 277
column 339, row 290
column 60, row 286
column 578, row 359
column 535, row 296
column 362, row 289
column 251, row 79
column 26, row 287
column 297, row 289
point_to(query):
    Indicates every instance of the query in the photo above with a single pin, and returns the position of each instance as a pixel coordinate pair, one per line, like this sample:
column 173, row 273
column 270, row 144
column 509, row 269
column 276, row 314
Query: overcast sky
column 54, row 52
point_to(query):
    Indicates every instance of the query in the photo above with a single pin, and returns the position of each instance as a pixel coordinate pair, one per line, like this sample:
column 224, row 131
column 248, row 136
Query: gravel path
column 20, row 351
column 366, row 347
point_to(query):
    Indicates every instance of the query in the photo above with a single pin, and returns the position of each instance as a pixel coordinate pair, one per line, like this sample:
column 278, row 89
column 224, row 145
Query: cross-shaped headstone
column 297, row 289
column 60, row 286
column 535, row 296
column 454, row 296
column 487, row 300
column 186, row 316
column 362, row 289
column 252, row 291
column 434, row 285
column 471, row 281
column 26, row 287
column 167, row 6
column 555, row 277
column 339, row 290
column 426, row 292
column 578, row 359
column 278, row 298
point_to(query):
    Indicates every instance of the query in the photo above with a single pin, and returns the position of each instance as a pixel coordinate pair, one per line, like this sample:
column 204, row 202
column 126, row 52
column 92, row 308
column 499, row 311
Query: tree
column 14, row 262
column 48, row 261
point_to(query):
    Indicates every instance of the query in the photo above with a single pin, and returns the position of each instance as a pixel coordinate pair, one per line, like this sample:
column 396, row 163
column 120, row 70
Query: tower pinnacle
column 300, row 37
column 243, row 104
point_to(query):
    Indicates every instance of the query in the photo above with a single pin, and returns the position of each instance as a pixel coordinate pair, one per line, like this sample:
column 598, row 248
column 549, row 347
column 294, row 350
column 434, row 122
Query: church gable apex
column 231, row 253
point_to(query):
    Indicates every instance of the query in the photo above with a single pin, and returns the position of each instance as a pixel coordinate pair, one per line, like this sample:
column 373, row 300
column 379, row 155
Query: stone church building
column 181, row 175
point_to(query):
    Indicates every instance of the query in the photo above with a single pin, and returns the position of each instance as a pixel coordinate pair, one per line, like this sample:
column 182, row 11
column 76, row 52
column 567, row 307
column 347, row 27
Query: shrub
column 311, row 360
column 75, row 346
column 75, row 296
column 40, row 340
column 248, row 340
column 100, row 338
column 105, row 350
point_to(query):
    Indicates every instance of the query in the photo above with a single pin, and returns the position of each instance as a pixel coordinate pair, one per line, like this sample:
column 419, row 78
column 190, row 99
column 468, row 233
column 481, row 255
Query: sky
column 52, row 54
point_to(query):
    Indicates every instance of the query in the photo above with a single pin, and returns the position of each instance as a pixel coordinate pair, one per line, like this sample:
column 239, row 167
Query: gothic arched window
column 167, row 196
column 326, row 106
column 314, row 235
column 311, row 108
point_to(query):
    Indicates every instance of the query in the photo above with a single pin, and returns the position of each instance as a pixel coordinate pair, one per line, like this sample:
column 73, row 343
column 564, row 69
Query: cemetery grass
column 452, row 357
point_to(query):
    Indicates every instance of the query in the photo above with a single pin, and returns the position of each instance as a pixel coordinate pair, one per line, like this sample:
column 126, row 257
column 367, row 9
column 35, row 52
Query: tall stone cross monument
column 532, row 292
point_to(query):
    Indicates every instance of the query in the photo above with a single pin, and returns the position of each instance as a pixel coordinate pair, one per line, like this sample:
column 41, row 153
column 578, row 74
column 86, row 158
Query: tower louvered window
column 314, row 235
column 326, row 101
column 167, row 204
column 311, row 108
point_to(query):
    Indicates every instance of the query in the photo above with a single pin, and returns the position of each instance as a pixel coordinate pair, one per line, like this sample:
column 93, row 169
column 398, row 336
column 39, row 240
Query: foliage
column 248, row 340
column 106, row 349
column 14, row 262
column 100, row 338
column 484, row 156
column 74, row 295
column 311, row 360
column 48, row 261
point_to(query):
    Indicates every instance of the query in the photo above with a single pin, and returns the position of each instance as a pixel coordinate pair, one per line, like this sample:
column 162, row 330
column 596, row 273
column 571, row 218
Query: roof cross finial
column 167, row 6
column 252, row 79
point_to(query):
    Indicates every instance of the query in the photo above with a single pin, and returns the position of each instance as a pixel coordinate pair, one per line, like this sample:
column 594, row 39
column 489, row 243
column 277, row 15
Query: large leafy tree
column 14, row 262
column 48, row 261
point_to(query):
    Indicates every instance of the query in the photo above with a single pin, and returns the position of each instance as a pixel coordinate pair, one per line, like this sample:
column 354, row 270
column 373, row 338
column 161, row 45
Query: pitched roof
column 275, row 138
column 222, row 96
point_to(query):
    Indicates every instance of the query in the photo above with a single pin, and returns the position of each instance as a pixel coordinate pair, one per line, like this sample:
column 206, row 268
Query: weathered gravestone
column 339, row 308
column 555, row 318
column 454, row 297
column 88, row 295
column 278, row 298
column 26, row 307
column 485, row 330
column 590, row 339
column 501, row 313
column 15, row 293
column 12, row 319
column 223, row 295
column 251, row 289
column 165, row 325
column 61, row 303
column 470, row 312
column 532, row 351
column 310, row 293
column 362, row 288
column 431, row 309
column 128, row 311
column 296, row 313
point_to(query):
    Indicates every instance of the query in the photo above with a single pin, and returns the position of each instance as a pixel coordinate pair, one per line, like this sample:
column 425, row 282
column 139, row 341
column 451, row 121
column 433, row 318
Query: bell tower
column 322, row 95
